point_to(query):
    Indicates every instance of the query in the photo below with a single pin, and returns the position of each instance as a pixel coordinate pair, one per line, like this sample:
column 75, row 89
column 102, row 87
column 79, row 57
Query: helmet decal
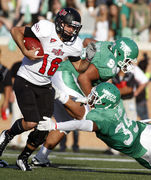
column 125, row 48
column 125, row 51
column 108, row 95
column 105, row 95
column 63, row 12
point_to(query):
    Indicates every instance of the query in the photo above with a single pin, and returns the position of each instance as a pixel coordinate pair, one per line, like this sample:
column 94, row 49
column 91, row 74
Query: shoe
column 108, row 152
column 36, row 162
column 75, row 148
column 22, row 163
column 3, row 163
column 4, row 140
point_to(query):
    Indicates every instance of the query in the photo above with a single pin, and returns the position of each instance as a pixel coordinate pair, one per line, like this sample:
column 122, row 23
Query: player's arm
column 85, row 79
column 87, row 41
column 77, row 125
column 75, row 109
column 79, row 64
column 18, row 34
column 73, row 125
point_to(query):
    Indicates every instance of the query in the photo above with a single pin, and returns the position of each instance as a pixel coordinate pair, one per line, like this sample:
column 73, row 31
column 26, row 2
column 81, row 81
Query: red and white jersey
column 40, row 71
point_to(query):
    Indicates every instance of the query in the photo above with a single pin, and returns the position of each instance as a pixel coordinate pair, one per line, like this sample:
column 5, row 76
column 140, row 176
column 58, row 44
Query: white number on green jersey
column 124, row 127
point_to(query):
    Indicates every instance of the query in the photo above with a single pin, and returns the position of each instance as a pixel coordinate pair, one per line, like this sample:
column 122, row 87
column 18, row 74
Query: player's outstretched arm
column 73, row 125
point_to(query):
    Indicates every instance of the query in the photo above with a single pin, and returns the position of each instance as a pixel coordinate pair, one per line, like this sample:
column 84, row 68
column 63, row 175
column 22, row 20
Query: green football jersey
column 69, row 76
column 117, row 131
column 104, row 60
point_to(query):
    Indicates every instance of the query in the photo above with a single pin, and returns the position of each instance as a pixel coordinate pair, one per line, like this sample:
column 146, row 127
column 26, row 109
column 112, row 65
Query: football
column 31, row 43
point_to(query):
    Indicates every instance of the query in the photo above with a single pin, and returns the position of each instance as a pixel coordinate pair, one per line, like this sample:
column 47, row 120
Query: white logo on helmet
column 76, row 23
column 125, row 48
column 109, row 96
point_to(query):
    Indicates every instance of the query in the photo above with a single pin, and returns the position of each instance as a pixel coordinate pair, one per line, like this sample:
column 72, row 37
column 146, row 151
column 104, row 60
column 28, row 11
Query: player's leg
column 145, row 143
column 62, row 144
column 41, row 158
column 54, row 137
column 75, row 146
column 44, row 104
column 144, row 162
column 35, row 139
column 26, row 99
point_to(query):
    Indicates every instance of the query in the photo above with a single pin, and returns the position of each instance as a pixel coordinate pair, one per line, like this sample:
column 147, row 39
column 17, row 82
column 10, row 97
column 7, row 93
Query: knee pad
column 37, row 138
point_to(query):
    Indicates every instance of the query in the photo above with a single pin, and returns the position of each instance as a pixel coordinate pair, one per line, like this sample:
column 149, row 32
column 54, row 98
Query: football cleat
column 22, row 163
column 3, row 163
column 5, row 138
column 36, row 162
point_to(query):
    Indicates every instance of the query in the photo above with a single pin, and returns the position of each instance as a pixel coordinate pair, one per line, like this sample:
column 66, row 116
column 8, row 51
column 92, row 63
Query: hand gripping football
column 31, row 43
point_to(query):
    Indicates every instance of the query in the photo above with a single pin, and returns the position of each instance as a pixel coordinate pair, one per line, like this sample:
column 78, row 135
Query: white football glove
column 47, row 125
column 90, row 51
column 60, row 95
column 83, row 100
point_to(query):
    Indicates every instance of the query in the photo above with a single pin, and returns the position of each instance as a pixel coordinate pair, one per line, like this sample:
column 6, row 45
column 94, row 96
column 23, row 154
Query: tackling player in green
column 111, row 125
column 106, row 60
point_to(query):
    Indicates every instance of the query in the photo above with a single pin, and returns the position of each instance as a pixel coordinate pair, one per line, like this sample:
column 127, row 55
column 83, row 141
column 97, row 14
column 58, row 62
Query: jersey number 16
column 53, row 68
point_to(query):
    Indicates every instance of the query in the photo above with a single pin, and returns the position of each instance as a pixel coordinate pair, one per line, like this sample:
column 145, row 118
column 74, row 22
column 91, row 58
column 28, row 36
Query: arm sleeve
column 140, row 75
column 29, row 33
column 74, row 58
column 74, row 125
column 42, row 29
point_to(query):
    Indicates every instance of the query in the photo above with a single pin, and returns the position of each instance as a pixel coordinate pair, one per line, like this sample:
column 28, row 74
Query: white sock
column 42, row 154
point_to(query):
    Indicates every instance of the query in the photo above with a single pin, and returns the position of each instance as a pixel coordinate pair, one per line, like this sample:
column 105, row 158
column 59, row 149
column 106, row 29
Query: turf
column 86, row 165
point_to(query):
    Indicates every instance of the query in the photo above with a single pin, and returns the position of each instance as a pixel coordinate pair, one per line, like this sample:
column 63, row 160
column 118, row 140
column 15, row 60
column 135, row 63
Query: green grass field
column 85, row 165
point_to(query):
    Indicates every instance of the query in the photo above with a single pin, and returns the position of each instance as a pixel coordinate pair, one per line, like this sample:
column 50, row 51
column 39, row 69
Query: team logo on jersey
column 52, row 40
column 57, row 52
column 111, row 63
column 37, row 27
column 62, row 12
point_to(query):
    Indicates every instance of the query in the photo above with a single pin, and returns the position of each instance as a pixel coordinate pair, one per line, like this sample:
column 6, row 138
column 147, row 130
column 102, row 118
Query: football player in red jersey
column 32, row 86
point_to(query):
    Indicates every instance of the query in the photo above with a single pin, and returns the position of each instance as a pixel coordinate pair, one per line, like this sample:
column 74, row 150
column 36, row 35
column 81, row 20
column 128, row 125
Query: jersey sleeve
column 106, row 73
column 78, row 47
column 107, row 69
column 93, row 116
column 139, row 75
column 42, row 29
column 104, row 61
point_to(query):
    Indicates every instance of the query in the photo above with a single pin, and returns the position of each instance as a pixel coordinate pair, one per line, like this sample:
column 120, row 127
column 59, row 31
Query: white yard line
column 99, row 159
column 80, row 158
column 88, row 159
column 91, row 168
